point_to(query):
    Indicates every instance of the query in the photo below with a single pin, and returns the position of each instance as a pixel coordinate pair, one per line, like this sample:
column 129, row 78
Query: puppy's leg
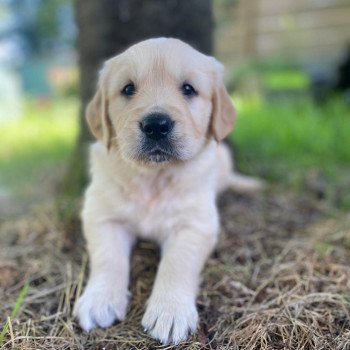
column 171, row 313
column 106, row 295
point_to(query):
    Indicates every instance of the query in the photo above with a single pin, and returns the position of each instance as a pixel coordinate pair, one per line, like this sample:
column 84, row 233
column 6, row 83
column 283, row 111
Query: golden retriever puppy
column 159, row 114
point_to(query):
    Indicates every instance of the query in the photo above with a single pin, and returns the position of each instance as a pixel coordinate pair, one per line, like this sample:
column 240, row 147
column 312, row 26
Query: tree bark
column 106, row 28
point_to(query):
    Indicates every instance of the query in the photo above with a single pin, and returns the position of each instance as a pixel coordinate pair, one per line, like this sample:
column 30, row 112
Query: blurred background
column 287, row 68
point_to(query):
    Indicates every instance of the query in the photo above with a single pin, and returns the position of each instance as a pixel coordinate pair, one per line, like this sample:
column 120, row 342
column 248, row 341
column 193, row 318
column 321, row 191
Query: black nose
column 156, row 126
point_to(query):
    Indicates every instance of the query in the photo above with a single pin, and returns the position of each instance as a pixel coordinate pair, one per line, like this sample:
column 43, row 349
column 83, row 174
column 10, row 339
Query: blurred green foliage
column 285, row 79
column 294, row 133
column 270, row 75
column 35, row 148
column 284, row 141
column 288, row 140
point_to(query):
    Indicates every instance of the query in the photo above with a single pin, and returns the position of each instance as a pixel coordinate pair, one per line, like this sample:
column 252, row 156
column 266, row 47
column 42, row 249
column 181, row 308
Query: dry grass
column 279, row 279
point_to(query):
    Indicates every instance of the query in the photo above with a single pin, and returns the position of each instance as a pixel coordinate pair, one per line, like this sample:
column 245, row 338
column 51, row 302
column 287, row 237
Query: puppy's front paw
column 100, row 306
column 170, row 320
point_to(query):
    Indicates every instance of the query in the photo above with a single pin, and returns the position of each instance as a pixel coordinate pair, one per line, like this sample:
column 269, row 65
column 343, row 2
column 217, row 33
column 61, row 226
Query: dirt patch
column 279, row 279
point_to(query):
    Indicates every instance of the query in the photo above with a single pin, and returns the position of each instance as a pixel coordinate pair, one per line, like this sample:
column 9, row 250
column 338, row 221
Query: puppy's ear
column 98, row 118
column 224, row 113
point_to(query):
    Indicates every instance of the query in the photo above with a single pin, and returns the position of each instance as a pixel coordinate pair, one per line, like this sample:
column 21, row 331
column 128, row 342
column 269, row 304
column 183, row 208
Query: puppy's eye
column 129, row 90
column 188, row 90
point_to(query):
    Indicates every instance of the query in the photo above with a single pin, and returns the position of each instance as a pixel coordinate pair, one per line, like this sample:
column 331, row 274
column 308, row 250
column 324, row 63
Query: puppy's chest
column 151, row 206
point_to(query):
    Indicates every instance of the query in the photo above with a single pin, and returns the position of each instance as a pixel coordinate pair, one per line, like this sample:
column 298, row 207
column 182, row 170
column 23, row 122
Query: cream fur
column 171, row 203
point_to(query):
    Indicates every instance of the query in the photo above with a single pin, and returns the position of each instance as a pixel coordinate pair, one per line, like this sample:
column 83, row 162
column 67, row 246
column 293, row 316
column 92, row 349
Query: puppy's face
column 159, row 102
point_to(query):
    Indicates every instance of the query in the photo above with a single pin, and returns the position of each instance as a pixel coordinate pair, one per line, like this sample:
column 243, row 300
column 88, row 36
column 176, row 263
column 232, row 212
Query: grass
column 18, row 303
column 285, row 79
column 288, row 140
column 278, row 279
column 35, row 148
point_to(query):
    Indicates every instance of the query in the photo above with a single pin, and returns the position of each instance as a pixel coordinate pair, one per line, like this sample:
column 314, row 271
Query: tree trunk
column 107, row 27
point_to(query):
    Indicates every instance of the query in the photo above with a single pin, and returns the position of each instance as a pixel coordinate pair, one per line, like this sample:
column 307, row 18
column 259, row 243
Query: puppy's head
column 160, row 101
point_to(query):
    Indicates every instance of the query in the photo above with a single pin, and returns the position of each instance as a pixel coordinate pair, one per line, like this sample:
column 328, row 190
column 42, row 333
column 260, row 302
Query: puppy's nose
column 156, row 126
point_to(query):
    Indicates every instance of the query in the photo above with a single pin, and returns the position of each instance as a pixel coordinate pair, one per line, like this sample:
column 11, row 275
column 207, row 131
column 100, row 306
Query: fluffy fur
column 168, row 198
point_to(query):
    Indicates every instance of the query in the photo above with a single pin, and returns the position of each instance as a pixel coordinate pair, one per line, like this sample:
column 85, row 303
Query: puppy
column 159, row 114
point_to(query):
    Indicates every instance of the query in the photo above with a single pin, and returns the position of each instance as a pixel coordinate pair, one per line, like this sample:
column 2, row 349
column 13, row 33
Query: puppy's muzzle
column 156, row 126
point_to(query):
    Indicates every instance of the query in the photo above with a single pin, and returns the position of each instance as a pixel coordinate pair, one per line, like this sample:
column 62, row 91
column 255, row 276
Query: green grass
column 285, row 79
column 14, row 312
column 36, row 147
column 284, row 140
column 271, row 76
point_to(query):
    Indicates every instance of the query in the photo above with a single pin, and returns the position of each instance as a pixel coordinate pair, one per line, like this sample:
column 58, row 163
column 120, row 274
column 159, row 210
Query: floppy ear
column 98, row 118
column 223, row 114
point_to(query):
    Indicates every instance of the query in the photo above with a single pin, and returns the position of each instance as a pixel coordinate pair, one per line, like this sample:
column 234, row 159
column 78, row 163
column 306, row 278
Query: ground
column 278, row 279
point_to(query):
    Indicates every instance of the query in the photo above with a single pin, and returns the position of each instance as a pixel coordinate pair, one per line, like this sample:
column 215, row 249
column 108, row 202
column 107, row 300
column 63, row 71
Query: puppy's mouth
column 158, row 152
column 158, row 155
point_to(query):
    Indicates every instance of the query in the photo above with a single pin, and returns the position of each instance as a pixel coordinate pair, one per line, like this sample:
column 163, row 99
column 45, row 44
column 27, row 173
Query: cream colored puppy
column 159, row 113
